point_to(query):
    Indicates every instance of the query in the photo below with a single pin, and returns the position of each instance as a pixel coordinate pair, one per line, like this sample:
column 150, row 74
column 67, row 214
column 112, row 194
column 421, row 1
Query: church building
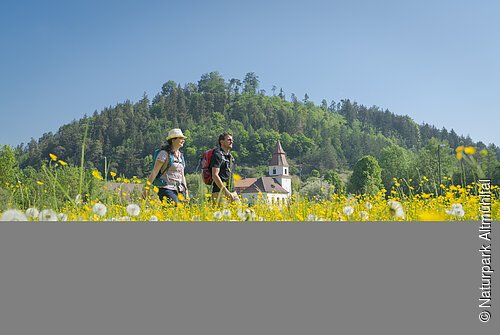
column 276, row 188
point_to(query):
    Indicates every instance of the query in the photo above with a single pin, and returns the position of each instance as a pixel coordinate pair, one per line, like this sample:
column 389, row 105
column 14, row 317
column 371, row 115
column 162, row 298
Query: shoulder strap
column 170, row 161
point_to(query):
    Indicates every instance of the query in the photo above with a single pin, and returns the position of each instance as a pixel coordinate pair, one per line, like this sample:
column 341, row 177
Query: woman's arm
column 152, row 175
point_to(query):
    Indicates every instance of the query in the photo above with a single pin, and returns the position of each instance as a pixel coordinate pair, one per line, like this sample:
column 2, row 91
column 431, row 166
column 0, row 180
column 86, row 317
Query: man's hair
column 222, row 136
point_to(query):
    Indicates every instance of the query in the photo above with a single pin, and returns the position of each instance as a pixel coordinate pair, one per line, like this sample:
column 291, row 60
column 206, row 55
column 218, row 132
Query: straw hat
column 176, row 132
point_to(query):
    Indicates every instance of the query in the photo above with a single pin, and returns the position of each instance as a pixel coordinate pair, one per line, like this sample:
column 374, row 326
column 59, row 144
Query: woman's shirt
column 173, row 174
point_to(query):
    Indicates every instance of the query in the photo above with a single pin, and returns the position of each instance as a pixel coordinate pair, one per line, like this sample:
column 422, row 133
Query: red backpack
column 206, row 170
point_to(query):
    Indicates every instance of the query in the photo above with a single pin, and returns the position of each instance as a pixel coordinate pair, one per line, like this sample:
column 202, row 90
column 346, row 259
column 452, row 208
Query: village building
column 275, row 188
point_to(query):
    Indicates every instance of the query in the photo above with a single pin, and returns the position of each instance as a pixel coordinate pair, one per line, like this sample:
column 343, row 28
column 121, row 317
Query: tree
column 366, row 177
column 333, row 178
column 251, row 83
column 282, row 94
column 211, row 83
column 395, row 163
column 8, row 166
column 168, row 87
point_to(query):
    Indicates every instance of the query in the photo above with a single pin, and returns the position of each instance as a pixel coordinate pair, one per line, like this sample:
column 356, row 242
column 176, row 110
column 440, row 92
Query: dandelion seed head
column 62, row 217
column 153, row 218
column 368, row 205
column 312, row 217
column 456, row 210
column 133, row 210
column 396, row 209
column 218, row 214
column 99, row 209
column 47, row 215
column 32, row 213
column 364, row 215
column 348, row 210
column 226, row 213
column 399, row 213
column 13, row 215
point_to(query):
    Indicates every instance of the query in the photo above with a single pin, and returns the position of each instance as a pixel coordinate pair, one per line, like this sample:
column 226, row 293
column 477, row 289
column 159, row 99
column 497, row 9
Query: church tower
column 279, row 170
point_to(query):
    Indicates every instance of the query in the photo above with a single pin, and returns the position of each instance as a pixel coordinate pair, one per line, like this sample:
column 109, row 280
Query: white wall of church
column 278, row 170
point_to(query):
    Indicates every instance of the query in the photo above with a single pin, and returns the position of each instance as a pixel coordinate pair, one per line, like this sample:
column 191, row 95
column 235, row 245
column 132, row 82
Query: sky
column 436, row 61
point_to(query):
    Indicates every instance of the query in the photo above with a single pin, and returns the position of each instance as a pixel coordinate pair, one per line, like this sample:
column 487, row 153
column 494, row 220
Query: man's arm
column 215, row 176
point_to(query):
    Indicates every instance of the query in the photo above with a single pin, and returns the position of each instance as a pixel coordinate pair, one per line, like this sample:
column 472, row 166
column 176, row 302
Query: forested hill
column 331, row 136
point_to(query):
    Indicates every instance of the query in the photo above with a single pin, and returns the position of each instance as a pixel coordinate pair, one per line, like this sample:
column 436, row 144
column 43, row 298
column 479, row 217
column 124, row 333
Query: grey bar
column 242, row 278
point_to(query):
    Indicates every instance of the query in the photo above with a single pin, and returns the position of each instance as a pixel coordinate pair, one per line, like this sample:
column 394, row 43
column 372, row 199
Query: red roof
column 265, row 185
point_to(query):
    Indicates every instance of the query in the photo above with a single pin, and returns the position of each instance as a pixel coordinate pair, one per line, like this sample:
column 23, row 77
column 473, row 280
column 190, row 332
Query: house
column 275, row 188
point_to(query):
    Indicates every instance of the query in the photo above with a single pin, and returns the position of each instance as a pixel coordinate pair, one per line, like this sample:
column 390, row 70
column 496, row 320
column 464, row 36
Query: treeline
column 319, row 139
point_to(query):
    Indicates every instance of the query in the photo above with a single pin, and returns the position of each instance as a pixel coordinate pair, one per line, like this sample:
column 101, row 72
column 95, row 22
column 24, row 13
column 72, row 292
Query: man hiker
column 221, row 164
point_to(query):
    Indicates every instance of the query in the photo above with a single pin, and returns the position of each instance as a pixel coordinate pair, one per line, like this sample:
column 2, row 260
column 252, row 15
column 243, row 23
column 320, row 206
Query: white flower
column 312, row 217
column 348, row 210
column 368, row 205
column 396, row 209
column 32, row 213
column 121, row 218
column 13, row 215
column 47, row 215
column 226, row 213
column 99, row 209
column 247, row 214
column 78, row 199
column 364, row 215
column 133, row 210
column 62, row 217
column 153, row 218
column 218, row 215
column 456, row 210
column 400, row 213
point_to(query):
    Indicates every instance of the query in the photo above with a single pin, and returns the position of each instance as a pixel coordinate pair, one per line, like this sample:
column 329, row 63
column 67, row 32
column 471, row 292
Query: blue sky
column 436, row 61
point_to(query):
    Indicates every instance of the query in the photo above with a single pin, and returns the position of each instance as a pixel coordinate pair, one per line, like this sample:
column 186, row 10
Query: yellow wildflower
column 113, row 174
column 53, row 157
column 431, row 216
column 470, row 150
column 63, row 163
column 97, row 175
column 39, row 182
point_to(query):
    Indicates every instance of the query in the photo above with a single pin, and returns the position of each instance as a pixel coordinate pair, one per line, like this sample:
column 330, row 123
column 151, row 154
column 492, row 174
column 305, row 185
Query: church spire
column 279, row 157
